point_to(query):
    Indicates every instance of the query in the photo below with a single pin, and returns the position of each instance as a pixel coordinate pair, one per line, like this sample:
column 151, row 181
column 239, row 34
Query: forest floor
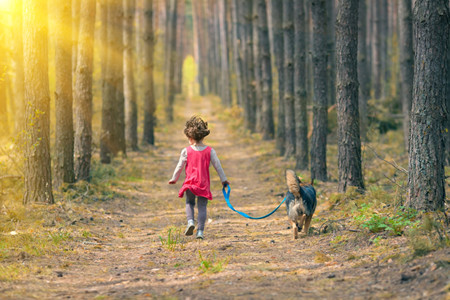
column 126, row 240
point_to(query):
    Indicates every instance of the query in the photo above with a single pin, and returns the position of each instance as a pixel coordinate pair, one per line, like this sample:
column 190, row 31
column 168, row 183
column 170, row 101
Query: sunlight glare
column 4, row 5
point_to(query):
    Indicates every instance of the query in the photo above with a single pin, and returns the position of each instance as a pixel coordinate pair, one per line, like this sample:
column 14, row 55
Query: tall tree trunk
column 75, row 31
column 288, row 41
column 237, row 51
column 226, row 94
column 349, row 143
column 277, row 23
column 383, row 15
column 267, row 125
column 148, row 39
column 217, row 48
column 249, row 107
column 38, row 176
column 19, row 89
column 331, row 11
column 83, row 92
column 4, row 126
column 171, row 35
column 112, row 140
column 406, row 63
column 301, row 114
column 363, row 72
column 426, row 182
column 319, row 134
column 131, row 112
column 63, row 164
column 181, row 21
column 376, row 48
column 256, row 65
column 199, row 44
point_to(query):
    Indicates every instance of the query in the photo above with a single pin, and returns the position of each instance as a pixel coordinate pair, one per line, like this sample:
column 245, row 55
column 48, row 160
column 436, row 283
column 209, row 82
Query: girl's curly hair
column 196, row 128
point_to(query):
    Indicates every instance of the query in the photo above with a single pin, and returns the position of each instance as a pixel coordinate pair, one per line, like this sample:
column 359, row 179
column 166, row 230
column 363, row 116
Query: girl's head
column 196, row 128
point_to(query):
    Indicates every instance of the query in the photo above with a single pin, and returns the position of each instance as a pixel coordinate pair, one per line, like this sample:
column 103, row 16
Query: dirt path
column 125, row 258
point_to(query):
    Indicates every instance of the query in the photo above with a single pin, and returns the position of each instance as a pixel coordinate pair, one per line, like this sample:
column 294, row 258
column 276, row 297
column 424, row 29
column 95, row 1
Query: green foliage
column 172, row 240
column 394, row 224
column 58, row 237
column 211, row 264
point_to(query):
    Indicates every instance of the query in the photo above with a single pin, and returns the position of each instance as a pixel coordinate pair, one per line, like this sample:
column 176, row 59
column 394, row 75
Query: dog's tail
column 293, row 183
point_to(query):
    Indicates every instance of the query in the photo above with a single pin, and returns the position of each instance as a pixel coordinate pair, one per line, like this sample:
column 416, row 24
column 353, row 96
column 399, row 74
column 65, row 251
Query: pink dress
column 197, row 173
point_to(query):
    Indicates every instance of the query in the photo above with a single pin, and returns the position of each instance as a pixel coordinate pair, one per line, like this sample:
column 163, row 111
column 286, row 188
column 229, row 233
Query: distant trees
column 37, row 173
column 170, row 50
column 426, row 183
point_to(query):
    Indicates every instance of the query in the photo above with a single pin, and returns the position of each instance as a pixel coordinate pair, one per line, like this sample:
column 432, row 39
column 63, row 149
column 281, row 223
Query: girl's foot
column 190, row 228
column 200, row 234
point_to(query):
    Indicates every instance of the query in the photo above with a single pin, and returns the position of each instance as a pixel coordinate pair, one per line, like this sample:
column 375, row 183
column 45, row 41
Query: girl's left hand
column 225, row 183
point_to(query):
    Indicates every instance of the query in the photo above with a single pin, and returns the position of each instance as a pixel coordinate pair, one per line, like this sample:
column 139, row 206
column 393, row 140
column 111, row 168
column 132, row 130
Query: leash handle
column 226, row 195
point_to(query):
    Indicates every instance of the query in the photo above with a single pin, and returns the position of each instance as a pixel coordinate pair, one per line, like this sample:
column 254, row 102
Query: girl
column 197, row 158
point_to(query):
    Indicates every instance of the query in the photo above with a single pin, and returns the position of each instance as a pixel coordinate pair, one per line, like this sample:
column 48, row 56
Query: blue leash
column 227, row 199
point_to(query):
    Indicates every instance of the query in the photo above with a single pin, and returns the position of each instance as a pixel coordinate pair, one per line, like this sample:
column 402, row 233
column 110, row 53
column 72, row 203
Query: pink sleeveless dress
column 197, row 173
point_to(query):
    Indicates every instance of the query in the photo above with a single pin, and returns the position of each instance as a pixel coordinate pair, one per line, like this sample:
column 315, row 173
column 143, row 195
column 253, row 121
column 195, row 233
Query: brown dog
column 300, row 203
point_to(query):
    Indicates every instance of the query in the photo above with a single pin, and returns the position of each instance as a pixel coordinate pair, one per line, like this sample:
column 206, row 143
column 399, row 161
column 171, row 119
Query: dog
column 300, row 203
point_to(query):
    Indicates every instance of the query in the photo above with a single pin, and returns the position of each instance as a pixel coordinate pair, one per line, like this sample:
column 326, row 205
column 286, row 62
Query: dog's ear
column 293, row 183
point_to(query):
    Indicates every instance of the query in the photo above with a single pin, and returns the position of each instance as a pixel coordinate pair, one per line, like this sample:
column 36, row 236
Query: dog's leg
column 300, row 221
column 294, row 229
column 307, row 223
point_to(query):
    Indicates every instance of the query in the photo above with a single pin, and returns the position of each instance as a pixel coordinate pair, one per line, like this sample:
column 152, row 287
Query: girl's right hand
column 172, row 182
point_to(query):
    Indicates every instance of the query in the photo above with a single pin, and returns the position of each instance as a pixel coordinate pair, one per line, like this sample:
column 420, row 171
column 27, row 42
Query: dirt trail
column 260, row 260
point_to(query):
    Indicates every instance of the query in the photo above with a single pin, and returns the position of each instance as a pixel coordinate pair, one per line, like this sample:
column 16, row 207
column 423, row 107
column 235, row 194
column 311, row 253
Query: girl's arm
column 216, row 163
column 180, row 166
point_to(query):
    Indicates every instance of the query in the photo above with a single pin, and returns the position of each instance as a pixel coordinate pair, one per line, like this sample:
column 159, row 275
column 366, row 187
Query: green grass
column 172, row 240
column 210, row 263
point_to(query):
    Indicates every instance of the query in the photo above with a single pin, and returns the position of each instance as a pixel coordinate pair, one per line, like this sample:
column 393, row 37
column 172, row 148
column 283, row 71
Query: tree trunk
column 376, row 48
column 112, row 139
column 148, row 39
column 83, row 92
column 237, row 51
column 426, row 182
column 349, row 144
column 19, row 89
column 131, row 119
column 249, row 107
column 4, row 126
column 301, row 120
column 406, row 63
column 38, row 177
column 63, row 163
column 171, row 35
column 331, row 9
column 75, row 31
column 267, row 126
column 288, row 43
column 277, row 23
column 226, row 95
column 256, row 65
column 363, row 72
column 319, row 134
column 181, row 21
column 199, row 44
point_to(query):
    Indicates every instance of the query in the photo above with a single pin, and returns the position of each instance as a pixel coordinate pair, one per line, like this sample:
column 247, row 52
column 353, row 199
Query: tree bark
column 148, row 39
column 249, row 106
column 376, row 48
column 226, row 95
column 237, row 51
column 319, row 134
column 64, row 135
column 75, row 31
column 171, row 35
column 349, row 143
column 83, row 92
column 38, row 177
column 426, row 182
column 406, row 63
column 131, row 112
column 112, row 140
column 180, row 45
column 267, row 125
column 256, row 65
column 301, row 116
column 277, row 23
column 363, row 70
column 4, row 126
column 288, row 43
column 331, row 11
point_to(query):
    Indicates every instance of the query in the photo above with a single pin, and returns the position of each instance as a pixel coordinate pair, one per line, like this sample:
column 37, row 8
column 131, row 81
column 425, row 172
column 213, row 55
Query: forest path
column 123, row 255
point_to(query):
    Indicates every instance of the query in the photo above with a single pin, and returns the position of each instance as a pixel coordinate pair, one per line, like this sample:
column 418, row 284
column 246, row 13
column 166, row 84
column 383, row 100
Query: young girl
column 197, row 158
